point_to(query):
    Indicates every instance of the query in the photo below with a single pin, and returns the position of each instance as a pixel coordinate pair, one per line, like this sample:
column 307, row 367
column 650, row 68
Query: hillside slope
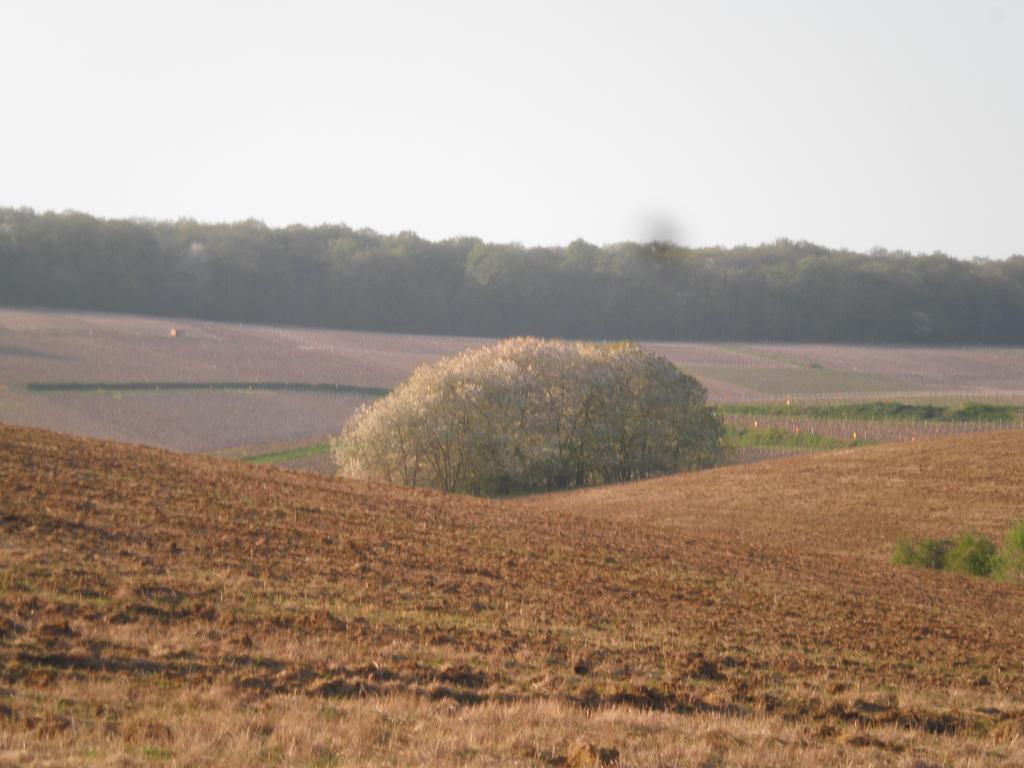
column 753, row 592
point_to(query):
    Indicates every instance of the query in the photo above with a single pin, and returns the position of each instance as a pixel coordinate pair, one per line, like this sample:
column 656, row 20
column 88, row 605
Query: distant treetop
column 339, row 277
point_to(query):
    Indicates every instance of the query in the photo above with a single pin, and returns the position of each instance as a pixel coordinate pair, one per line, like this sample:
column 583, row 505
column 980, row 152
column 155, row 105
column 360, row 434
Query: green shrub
column 930, row 553
column 968, row 553
column 1012, row 561
column 905, row 552
column 973, row 554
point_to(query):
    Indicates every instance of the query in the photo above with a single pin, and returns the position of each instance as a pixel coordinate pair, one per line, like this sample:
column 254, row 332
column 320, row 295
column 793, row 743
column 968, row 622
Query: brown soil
column 753, row 591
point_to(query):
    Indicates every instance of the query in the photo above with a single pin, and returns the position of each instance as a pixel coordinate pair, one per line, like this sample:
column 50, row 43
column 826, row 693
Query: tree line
column 338, row 277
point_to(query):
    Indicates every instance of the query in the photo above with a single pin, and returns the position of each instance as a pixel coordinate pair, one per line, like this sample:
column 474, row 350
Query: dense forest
column 335, row 276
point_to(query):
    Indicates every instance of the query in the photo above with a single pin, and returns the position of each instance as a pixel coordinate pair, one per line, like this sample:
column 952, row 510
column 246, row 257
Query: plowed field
column 165, row 607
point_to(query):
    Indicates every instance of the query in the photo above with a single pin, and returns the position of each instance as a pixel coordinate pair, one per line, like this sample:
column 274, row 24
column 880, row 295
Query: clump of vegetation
column 973, row 554
column 968, row 553
column 929, row 553
column 529, row 415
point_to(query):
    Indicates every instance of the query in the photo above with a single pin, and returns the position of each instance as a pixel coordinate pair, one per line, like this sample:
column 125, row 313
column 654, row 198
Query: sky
column 852, row 123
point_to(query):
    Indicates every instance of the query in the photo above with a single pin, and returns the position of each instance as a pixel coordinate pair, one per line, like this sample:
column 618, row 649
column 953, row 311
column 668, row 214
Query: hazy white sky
column 856, row 123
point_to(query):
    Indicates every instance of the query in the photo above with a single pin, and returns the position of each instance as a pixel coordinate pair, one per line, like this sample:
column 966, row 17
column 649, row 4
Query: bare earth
column 176, row 608
column 69, row 347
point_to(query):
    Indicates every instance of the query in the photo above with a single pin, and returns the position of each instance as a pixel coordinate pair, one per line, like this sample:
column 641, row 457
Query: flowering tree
column 527, row 414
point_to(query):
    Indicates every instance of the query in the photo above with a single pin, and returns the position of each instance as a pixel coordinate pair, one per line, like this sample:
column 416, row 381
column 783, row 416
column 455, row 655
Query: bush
column 973, row 554
column 930, row 553
column 968, row 553
column 527, row 415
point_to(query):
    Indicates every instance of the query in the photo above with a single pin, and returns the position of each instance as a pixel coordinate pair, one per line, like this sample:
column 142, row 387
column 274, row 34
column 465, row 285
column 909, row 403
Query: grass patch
column 156, row 753
column 885, row 411
column 92, row 387
column 774, row 437
column 305, row 451
column 1012, row 565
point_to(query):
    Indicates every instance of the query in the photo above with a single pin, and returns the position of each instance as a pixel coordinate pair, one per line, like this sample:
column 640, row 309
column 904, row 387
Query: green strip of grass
column 885, row 411
column 91, row 387
column 773, row 437
column 313, row 449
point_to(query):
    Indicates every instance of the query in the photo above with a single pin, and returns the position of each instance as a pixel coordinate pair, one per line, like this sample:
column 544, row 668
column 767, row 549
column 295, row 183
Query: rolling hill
column 157, row 606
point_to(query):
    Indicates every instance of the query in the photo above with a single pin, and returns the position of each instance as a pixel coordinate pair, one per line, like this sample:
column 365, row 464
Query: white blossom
column 527, row 414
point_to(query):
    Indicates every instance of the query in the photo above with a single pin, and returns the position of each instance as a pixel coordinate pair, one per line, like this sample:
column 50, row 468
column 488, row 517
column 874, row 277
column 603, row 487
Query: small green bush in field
column 968, row 553
column 973, row 554
column 1012, row 565
column 930, row 553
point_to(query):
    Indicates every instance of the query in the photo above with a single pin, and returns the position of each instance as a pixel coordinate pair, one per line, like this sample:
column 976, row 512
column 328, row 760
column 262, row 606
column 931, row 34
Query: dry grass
column 169, row 609
column 88, row 723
